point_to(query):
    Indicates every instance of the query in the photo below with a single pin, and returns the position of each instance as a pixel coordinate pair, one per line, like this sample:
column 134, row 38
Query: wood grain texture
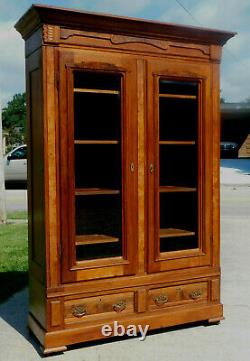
column 215, row 290
column 175, row 232
column 141, row 300
column 200, row 73
column 99, row 22
column 56, row 313
column 216, row 125
column 173, row 189
column 181, row 294
column 94, row 191
column 71, row 60
column 99, row 308
column 94, row 239
column 142, row 174
column 160, row 319
column 69, row 299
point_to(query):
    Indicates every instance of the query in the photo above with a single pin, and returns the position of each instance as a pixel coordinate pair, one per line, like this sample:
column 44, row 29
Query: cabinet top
column 38, row 15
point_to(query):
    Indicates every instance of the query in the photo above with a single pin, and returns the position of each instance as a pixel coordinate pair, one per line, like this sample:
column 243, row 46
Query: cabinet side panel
column 37, row 168
column 216, row 162
column 36, row 207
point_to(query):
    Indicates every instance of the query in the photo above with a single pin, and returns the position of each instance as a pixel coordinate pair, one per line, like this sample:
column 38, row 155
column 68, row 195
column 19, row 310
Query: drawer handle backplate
column 119, row 306
column 78, row 310
column 160, row 300
column 195, row 294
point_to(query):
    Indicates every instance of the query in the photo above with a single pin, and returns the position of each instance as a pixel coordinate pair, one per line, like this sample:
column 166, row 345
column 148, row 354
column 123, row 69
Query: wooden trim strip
column 96, row 141
column 96, row 91
column 95, row 239
column 177, row 142
column 95, row 191
column 174, row 232
column 173, row 189
column 178, row 96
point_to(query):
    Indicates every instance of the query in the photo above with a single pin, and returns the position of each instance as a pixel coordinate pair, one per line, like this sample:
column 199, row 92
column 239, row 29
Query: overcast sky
column 233, row 15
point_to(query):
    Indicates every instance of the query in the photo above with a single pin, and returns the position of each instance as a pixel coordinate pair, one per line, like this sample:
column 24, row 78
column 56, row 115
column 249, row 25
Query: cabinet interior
column 178, row 164
column 98, row 164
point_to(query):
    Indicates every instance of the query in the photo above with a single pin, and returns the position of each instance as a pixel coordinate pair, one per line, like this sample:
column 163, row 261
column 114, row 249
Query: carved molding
column 68, row 33
column 120, row 39
column 114, row 39
column 198, row 48
column 168, row 47
column 50, row 33
column 215, row 53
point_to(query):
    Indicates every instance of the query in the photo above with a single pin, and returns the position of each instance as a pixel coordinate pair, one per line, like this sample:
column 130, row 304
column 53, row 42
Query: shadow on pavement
column 11, row 282
column 15, row 313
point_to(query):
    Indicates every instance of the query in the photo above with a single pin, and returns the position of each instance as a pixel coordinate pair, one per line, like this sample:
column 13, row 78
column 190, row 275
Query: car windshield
column 20, row 153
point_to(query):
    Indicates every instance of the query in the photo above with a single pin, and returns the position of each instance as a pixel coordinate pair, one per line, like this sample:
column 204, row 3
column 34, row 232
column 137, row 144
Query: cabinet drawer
column 99, row 307
column 170, row 296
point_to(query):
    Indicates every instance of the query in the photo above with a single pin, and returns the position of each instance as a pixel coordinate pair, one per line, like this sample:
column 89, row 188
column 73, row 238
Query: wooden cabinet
column 123, row 139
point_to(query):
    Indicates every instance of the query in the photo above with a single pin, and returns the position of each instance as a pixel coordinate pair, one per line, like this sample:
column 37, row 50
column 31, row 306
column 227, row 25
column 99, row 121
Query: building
column 235, row 126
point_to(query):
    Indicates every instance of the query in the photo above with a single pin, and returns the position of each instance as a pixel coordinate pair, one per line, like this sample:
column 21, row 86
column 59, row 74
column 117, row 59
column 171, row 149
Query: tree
column 14, row 120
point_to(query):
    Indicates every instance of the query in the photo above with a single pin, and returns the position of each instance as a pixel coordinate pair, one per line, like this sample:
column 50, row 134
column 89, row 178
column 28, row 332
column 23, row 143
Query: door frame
column 70, row 60
column 202, row 256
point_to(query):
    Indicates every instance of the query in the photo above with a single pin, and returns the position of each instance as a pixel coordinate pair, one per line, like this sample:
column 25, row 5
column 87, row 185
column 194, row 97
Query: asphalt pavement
column 228, row 341
column 16, row 200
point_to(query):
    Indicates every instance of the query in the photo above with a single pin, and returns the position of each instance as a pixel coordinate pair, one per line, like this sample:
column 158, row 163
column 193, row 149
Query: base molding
column 57, row 341
column 215, row 321
column 48, row 351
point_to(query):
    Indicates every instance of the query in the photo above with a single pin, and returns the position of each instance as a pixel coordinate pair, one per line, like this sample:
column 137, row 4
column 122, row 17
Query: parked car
column 229, row 149
column 15, row 165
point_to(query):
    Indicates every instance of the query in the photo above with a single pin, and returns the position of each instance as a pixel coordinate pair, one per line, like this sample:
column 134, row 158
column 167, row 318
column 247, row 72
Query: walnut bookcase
column 123, row 175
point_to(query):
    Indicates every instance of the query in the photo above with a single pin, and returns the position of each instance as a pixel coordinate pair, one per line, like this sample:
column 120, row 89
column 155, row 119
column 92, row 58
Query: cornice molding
column 38, row 15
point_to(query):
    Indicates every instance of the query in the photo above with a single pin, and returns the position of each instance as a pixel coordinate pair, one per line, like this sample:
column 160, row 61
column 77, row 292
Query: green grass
column 13, row 259
column 17, row 215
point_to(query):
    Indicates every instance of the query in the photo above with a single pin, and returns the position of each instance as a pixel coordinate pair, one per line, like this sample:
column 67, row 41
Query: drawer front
column 181, row 294
column 99, row 307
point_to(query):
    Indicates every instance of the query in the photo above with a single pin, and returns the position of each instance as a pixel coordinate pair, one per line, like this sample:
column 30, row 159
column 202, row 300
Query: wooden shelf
column 96, row 91
column 173, row 189
column 95, row 191
column 175, row 232
column 177, row 142
column 178, row 96
column 94, row 239
column 96, row 142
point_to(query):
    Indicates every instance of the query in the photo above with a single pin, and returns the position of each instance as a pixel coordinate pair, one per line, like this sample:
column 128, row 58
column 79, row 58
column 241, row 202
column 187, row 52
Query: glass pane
column 98, row 169
column 98, row 165
column 177, row 119
column 178, row 165
column 97, row 106
column 98, row 216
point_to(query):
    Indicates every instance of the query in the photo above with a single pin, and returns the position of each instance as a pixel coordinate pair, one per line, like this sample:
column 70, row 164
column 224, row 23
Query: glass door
column 98, row 168
column 177, row 231
column 101, row 176
column 178, row 166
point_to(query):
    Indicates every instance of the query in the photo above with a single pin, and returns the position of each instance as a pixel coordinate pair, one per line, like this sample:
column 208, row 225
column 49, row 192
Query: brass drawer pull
column 79, row 310
column 119, row 306
column 160, row 300
column 195, row 294
column 132, row 167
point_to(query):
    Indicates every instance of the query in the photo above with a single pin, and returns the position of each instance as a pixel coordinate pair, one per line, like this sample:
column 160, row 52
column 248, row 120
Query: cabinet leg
column 214, row 321
column 48, row 351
